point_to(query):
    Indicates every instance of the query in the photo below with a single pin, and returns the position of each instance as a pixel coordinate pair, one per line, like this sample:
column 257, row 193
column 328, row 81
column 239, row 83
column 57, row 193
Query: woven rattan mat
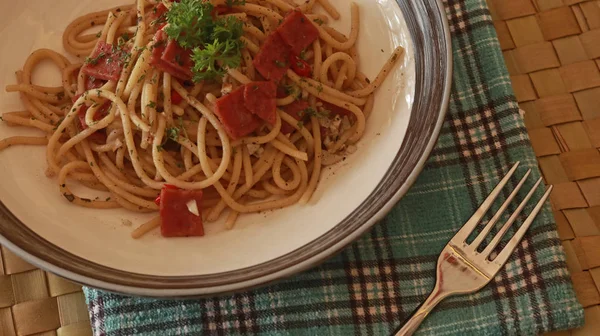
column 552, row 50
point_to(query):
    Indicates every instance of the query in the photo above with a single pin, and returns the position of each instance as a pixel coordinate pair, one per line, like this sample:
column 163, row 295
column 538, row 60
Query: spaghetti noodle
column 143, row 126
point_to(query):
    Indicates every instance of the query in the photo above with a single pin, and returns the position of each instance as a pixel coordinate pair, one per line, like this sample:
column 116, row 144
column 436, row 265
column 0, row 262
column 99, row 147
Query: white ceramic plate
column 94, row 246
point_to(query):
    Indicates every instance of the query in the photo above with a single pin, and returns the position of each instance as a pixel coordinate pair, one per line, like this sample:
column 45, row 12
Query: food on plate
column 196, row 109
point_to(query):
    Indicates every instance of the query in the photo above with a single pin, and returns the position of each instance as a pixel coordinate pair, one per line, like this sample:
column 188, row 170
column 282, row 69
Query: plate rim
column 264, row 279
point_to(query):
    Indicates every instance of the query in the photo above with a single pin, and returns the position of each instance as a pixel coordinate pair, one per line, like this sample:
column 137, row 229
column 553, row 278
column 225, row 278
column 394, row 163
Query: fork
column 460, row 268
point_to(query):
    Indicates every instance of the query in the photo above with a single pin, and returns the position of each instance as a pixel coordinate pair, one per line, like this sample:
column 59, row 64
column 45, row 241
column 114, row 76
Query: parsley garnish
column 151, row 104
column 159, row 148
column 215, row 42
column 190, row 23
column 173, row 133
column 319, row 21
column 224, row 52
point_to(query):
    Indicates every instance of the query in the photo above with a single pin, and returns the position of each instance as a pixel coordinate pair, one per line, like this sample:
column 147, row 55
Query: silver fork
column 460, row 268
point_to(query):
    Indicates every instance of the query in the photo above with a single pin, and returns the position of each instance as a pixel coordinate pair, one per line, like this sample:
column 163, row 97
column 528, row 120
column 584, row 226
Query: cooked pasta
column 201, row 107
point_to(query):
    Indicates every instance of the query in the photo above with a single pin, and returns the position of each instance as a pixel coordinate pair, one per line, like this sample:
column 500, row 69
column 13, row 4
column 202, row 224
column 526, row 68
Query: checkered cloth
column 375, row 283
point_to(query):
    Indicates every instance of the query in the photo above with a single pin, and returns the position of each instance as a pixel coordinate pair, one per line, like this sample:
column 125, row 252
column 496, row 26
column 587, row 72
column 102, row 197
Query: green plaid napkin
column 375, row 283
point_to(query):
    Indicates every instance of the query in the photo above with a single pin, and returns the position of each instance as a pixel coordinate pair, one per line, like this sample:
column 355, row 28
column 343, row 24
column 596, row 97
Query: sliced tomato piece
column 100, row 113
column 159, row 44
column 294, row 109
column 300, row 66
column 297, row 31
column 259, row 98
column 237, row 120
column 179, row 59
column 159, row 47
column 105, row 62
column 220, row 10
column 176, row 220
column 93, row 83
column 272, row 61
column 167, row 186
column 97, row 136
column 176, row 98
column 158, row 15
column 281, row 92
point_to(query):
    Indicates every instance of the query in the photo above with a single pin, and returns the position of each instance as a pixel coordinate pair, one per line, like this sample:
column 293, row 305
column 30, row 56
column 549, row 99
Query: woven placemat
column 552, row 51
column 33, row 302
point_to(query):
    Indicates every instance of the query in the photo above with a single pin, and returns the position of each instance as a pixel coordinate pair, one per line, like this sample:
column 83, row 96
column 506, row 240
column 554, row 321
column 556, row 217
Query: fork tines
column 462, row 235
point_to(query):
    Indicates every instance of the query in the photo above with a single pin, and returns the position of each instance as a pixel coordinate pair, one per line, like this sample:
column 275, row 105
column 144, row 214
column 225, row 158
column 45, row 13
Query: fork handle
column 420, row 313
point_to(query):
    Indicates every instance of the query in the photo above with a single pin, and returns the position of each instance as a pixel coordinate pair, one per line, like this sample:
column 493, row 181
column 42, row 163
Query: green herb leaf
column 95, row 60
column 190, row 22
column 311, row 112
column 215, row 42
column 182, row 127
column 172, row 133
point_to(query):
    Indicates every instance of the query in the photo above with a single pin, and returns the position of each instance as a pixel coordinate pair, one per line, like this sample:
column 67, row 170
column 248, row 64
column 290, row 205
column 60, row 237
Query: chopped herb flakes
column 311, row 112
column 95, row 60
column 280, row 64
column 172, row 133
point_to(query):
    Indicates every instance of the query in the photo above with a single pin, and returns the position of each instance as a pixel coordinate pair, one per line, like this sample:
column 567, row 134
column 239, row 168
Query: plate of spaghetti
column 195, row 147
